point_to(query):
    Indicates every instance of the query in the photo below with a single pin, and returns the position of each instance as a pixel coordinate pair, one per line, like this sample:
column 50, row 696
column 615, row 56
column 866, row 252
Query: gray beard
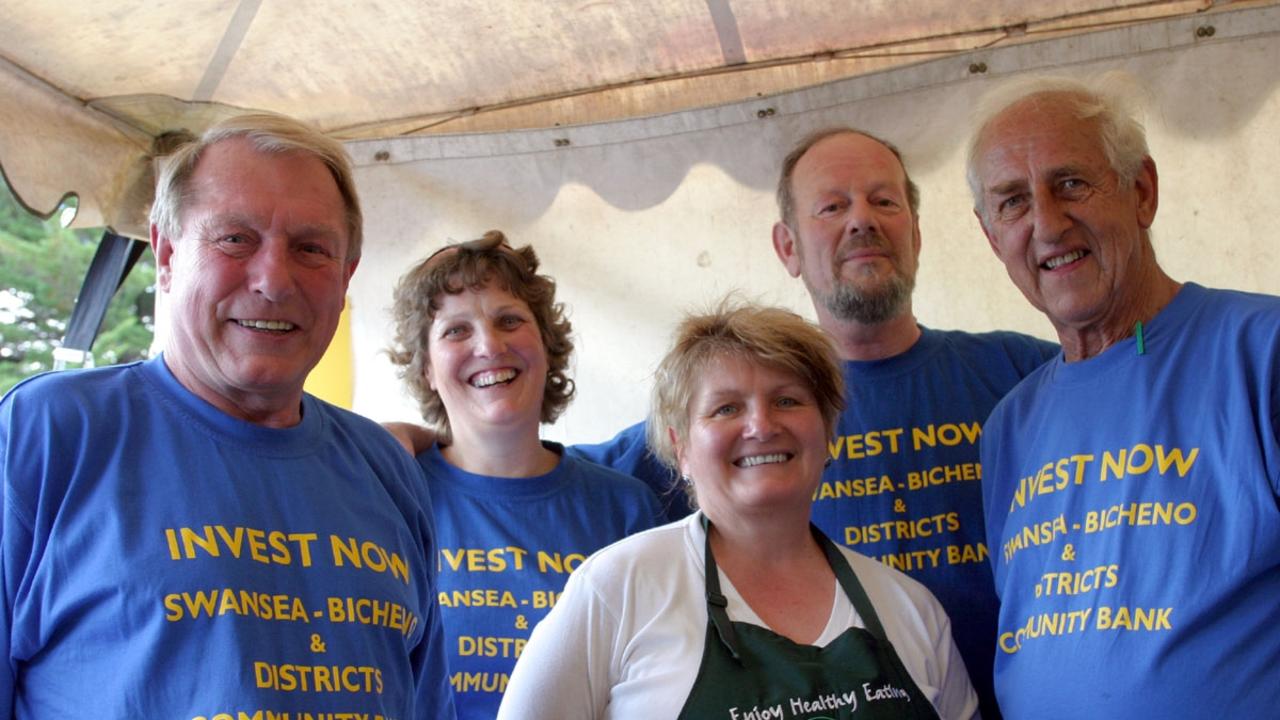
column 873, row 306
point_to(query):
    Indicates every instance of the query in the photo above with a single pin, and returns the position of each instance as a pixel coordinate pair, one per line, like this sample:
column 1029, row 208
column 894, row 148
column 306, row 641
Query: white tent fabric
column 86, row 84
column 636, row 144
column 641, row 220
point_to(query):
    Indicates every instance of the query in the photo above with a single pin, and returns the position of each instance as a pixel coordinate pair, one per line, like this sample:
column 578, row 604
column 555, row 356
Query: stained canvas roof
column 86, row 86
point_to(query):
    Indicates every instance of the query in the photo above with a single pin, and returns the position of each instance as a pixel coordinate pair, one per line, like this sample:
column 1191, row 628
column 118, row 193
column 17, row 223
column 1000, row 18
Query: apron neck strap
column 849, row 582
column 717, row 603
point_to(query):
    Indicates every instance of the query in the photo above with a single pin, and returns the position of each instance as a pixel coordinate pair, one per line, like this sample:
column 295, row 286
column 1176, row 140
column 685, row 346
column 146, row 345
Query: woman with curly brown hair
column 485, row 349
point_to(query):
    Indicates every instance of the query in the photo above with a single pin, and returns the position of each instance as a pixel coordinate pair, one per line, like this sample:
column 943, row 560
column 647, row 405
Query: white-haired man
column 1131, row 486
column 194, row 536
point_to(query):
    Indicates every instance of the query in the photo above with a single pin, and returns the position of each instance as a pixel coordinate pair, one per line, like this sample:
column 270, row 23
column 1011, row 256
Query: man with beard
column 903, row 483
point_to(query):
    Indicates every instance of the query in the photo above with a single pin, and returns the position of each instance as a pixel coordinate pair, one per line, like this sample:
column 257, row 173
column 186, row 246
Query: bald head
column 786, row 188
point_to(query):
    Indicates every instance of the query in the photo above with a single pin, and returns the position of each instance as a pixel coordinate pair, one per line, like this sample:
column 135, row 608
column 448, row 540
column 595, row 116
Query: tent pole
column 111, row 264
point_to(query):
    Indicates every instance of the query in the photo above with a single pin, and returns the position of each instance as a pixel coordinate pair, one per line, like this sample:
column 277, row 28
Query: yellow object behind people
column 331, row 380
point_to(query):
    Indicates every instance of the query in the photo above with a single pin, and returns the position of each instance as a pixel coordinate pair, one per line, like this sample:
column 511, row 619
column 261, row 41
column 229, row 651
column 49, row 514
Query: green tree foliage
column 42, row 267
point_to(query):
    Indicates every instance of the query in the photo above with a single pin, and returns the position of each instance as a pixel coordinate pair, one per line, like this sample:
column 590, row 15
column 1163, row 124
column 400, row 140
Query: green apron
column 750, row 673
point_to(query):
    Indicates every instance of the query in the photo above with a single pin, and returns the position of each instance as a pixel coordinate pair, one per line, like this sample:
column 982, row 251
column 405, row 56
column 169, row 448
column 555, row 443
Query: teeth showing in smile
column 492, row 377
column 753, row 460
column 1061, row 260
column 266, row 324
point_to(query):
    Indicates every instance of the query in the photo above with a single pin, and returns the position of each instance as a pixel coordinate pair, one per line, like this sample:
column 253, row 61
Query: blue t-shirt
column 1133, row 511
column 164, row 560
column 628, row 452
column 903, row 484
column 507, row 546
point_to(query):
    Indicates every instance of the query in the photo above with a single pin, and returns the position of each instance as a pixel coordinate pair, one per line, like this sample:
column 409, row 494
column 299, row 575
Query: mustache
column 862, row 241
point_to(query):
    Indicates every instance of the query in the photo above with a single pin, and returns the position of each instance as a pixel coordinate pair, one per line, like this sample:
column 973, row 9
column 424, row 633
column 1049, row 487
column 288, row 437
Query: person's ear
column 162, row 248
column 679, row 448
column 1147, row 185
column 787, row 247
column 991, row 239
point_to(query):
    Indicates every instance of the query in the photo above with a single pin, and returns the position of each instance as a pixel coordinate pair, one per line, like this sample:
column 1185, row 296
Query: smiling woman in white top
column 743, row 610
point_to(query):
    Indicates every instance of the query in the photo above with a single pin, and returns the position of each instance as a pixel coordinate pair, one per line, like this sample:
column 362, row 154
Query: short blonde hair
column 769, row 336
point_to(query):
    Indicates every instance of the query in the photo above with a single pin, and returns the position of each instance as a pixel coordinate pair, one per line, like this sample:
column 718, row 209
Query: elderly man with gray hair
column 194, row 536
column 1131, row 486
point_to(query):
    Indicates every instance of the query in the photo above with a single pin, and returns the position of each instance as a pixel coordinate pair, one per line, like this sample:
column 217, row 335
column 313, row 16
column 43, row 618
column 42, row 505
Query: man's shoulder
column 1026, row 391
column 342, row 417
column 594, row 472
column 608, row 484
column 390, row 466
column 628, row 453
column 626, row 447
column 999, row 355
column 1238, row 303
column 46, row 422
column 1006, row 341
column 55, row 381
column 351, row 427
column 75, row 391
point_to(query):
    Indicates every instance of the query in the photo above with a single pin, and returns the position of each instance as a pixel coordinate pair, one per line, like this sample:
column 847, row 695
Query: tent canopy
column 89, row 86
column 637, row 145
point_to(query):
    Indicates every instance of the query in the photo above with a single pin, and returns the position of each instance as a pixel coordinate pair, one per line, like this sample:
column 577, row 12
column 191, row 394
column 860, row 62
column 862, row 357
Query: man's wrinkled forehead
column 1041, row 128
column 1044, row 112
column 219, row 181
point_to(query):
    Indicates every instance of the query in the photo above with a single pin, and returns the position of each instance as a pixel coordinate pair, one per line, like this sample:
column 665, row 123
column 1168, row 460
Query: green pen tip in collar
column 1137, row 329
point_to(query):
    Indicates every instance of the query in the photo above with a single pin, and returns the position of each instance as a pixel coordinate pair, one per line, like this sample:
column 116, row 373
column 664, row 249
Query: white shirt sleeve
column 920, row 632
column 956, row 696
column 563, row 673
